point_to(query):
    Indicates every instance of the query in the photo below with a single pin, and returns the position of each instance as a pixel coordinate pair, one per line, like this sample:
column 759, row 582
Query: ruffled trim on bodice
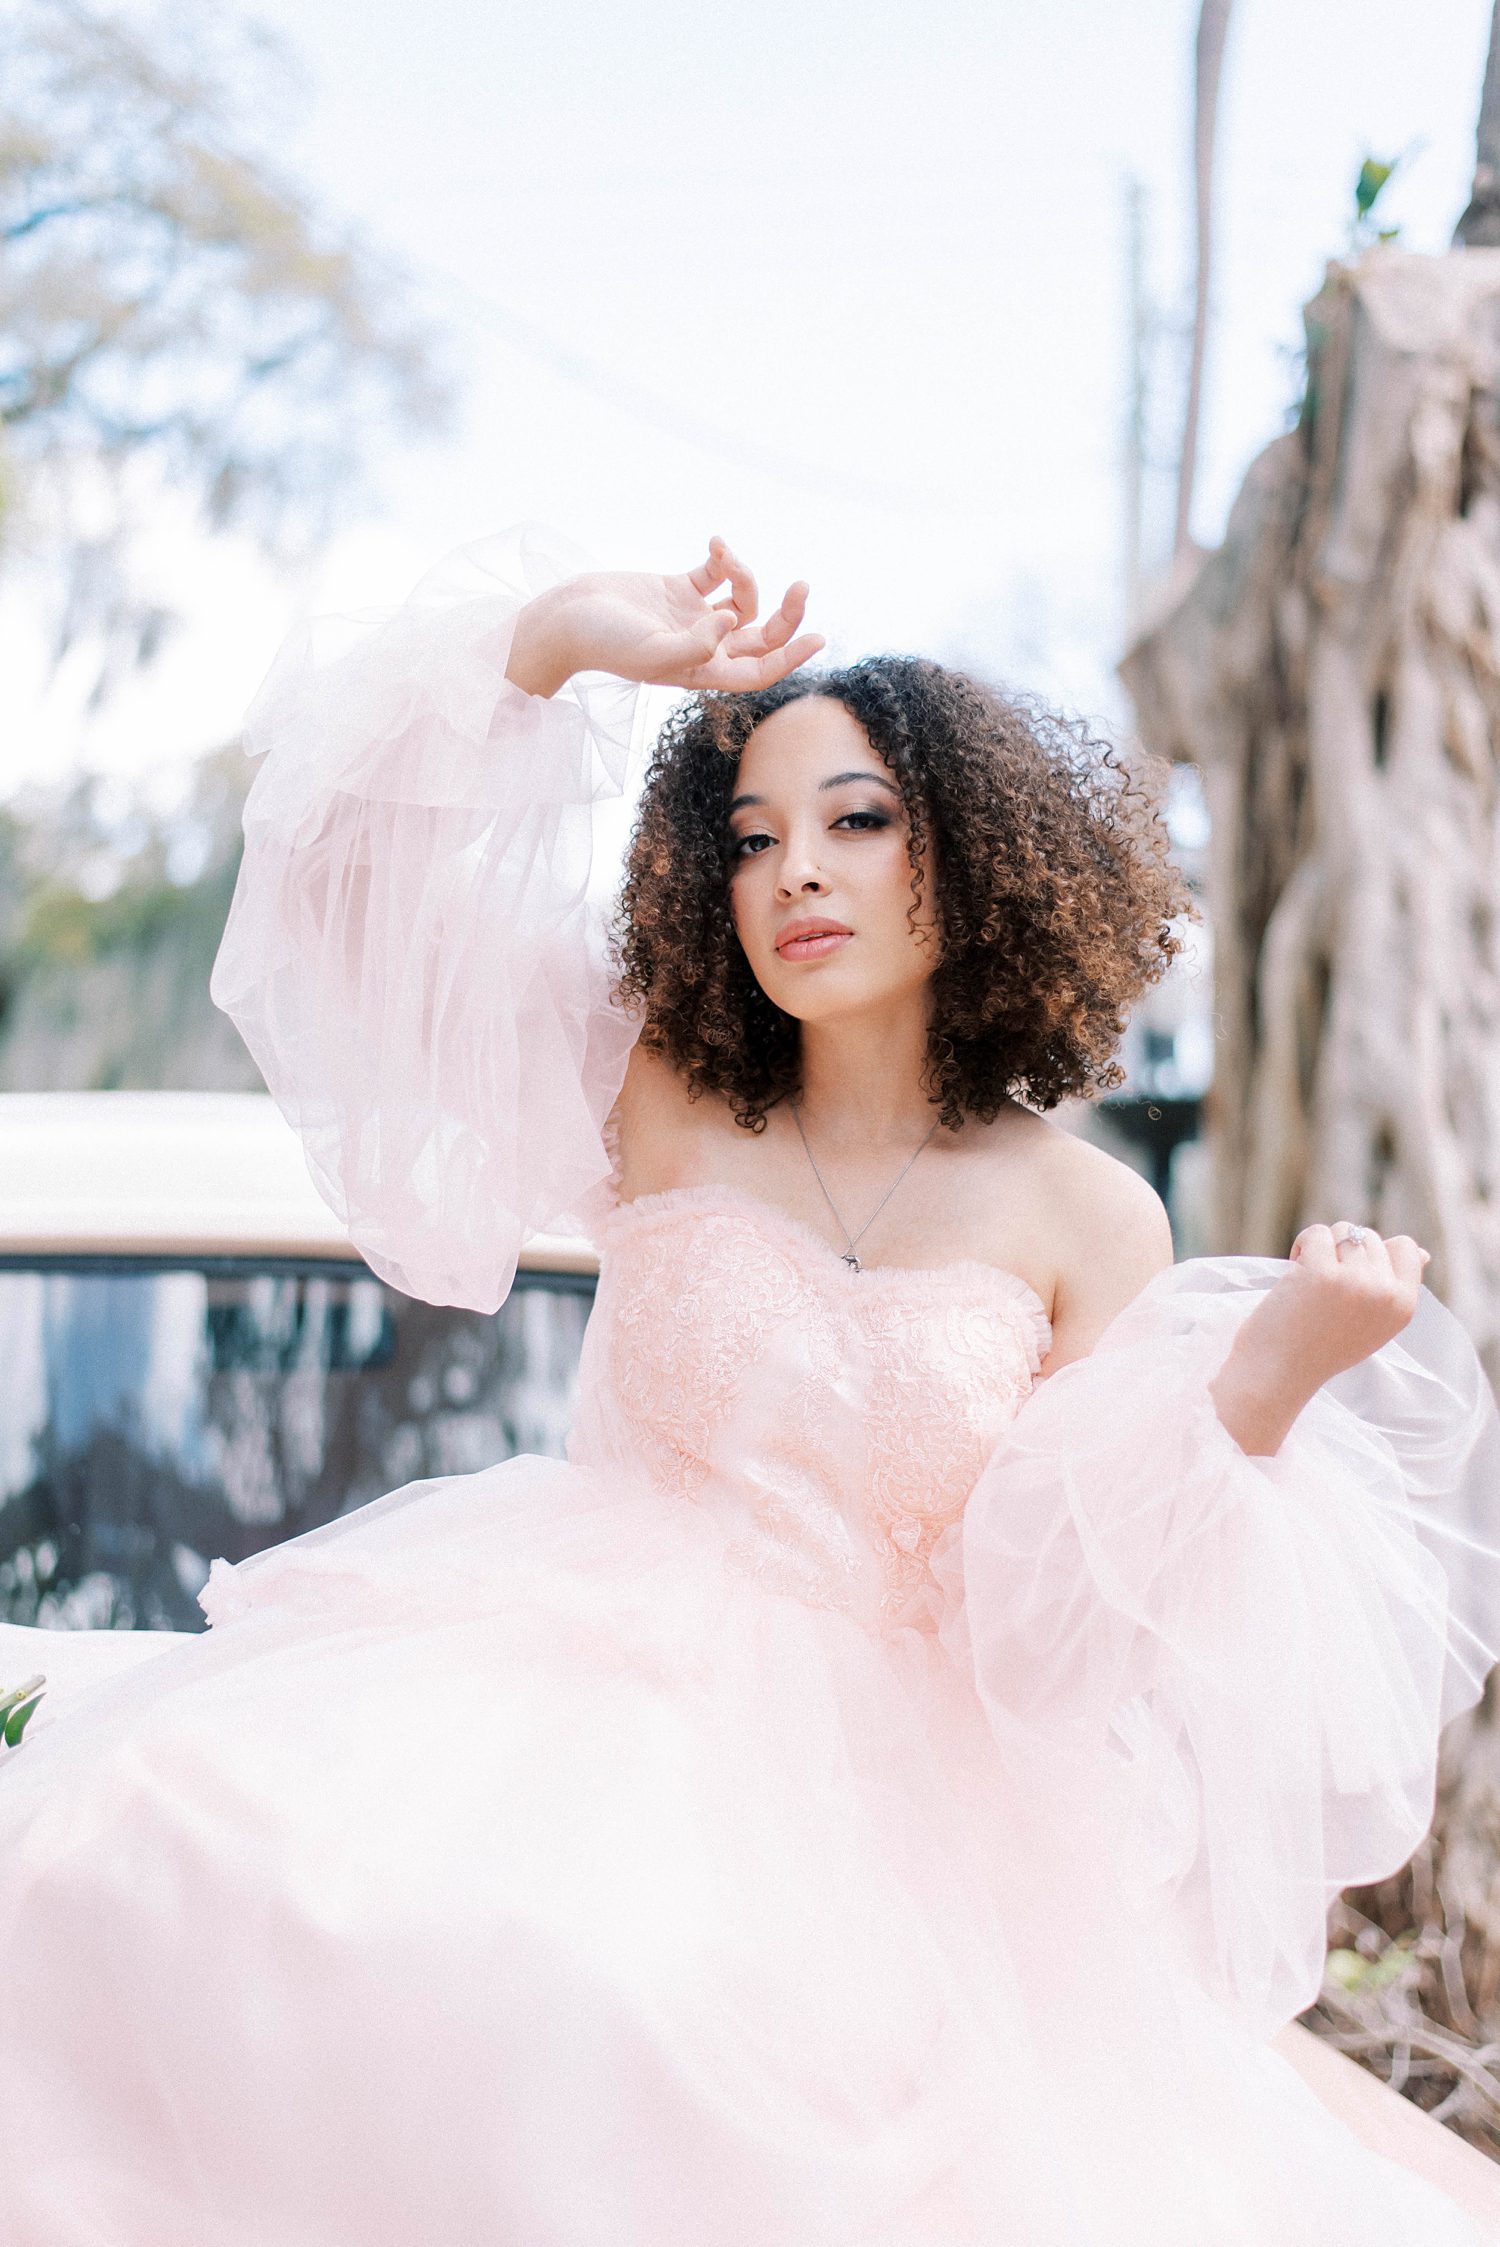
column 930, row 1283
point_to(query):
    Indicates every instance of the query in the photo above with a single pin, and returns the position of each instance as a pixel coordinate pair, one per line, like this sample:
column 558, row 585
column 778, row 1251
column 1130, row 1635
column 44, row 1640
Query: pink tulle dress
column 863, row 1797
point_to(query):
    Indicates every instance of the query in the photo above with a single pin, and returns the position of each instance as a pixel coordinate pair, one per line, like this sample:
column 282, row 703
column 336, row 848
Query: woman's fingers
column 778, row 628
column 1351, row 1241
column 742, row 587
column 1408, row 1259
column 1316, row 1248
column 711, row 632
column 724, row 564
column 725, row 648
column 1347, row 1246
column 758, row 639
column 710, row 573
column 747, row 673
column 800, row 652
column 1400, row 1255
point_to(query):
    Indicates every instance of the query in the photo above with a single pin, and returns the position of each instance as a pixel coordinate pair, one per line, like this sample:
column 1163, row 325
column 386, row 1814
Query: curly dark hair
column 1054, row 891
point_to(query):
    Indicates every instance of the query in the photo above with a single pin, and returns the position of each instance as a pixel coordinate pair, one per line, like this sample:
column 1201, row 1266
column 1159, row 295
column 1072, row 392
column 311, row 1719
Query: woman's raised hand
column 661, row 631
column 1347, row 1293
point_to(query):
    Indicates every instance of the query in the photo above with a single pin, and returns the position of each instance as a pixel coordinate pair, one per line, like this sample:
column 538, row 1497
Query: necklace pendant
column 848, row 1256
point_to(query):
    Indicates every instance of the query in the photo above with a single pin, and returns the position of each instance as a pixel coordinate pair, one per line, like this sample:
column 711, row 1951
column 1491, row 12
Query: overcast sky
column 846, row 284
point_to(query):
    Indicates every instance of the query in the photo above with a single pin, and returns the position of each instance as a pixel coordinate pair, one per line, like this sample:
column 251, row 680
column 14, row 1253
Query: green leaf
column 1345, row 1969
column 1353, row 1973
column 16, row 1723
column 1373, row 175
column 23, row 1692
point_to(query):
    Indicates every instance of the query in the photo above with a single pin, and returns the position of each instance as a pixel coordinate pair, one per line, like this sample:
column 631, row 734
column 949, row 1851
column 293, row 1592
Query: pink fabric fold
column 411, row 955
column 1242, row 1665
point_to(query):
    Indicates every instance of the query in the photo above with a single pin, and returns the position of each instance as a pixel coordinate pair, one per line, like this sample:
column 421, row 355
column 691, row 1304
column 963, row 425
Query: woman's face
column 820, row 882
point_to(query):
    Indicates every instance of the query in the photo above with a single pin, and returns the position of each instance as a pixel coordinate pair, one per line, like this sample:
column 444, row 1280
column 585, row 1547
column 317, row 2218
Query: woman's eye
column 858, row 822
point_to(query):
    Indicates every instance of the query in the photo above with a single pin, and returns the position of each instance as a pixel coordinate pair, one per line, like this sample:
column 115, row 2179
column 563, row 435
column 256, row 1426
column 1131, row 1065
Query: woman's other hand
column 1348, row 1292
column 661, row 631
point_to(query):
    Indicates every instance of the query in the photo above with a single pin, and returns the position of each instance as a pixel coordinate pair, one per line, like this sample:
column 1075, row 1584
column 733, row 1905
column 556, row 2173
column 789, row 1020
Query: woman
column 886, row 1785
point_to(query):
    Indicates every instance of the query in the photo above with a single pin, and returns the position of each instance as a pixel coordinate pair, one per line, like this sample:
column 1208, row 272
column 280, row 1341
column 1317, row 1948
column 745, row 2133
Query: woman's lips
column 814, row 947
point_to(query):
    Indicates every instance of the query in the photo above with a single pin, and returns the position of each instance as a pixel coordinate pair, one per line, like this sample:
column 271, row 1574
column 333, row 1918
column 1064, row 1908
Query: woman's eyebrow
column 837, row 781
column 864, row 774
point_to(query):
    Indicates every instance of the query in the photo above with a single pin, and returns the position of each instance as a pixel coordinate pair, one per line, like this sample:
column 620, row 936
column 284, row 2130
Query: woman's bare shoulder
column 1082, row 1185
column 652, row 1085
column 1097, row 1188
column 1110, row 1235
column 659, row 1130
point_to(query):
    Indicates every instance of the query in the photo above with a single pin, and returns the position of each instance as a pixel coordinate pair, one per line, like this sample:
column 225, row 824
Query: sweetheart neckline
column 667, row 1198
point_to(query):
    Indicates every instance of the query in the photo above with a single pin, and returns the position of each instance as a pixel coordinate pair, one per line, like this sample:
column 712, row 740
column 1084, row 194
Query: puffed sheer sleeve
column 412, row 955
column 1245, row 1662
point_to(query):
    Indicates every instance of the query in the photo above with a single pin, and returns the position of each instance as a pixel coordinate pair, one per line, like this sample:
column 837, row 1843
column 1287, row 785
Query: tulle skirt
column 511, row 1869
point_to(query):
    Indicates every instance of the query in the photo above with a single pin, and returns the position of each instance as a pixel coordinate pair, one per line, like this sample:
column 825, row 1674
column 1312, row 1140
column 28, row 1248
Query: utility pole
column 1138, row 316
column 1479, row 228
column 1213, row 28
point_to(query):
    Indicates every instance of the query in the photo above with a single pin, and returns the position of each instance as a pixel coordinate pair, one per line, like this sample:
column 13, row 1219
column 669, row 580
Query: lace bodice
column 734, row 1359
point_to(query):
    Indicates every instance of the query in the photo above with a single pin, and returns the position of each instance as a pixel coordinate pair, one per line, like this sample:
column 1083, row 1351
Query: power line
column 686, row 426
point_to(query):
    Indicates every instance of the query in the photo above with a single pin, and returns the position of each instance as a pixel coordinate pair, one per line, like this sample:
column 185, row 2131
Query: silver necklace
column 853, row 1239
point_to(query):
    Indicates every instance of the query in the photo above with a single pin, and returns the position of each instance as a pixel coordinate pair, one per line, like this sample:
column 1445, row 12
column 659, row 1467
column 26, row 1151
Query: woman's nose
column 799, row 870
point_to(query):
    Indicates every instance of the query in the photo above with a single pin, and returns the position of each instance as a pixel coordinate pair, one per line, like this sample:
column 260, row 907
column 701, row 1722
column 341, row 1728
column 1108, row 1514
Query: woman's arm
column 1112, row 1235
column 412, row 955
column 1340, row 1301
column 1242, row 1662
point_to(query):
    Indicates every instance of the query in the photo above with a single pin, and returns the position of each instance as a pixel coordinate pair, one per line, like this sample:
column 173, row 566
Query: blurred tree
column 174, row 316
column 1334, row 669
column 110, row 917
